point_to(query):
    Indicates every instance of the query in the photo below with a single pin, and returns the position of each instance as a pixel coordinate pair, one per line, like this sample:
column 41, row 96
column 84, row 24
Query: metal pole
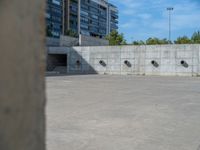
column 79, row 22
column 79, row 16
column 169, row 27
column 170, row 9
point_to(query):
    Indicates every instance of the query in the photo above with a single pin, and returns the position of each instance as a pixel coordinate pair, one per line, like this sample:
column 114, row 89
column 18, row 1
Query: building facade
column 87, row 17
column 112, row 18
column 54, row 18
column 92, row 17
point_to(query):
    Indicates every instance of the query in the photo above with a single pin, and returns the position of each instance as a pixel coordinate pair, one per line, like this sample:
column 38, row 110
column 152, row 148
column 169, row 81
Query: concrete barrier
column 52, row 41
column 176, row 60
column 67, row 41
column 92, row 41
column 22, row 66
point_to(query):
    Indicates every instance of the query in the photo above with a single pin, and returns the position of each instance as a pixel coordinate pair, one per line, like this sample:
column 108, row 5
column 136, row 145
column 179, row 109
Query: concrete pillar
column 66, row 16
column 22, row 66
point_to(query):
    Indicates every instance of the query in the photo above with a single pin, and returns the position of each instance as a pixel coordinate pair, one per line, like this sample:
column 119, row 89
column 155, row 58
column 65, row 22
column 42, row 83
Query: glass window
column 57, row 2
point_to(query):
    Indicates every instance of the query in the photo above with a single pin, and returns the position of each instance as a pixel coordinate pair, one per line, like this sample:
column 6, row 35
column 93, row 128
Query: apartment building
column 54, row 21
column 87, row 17
column 91, row 17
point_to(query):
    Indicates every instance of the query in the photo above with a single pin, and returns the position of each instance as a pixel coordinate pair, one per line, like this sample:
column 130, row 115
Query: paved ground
column 123, row 113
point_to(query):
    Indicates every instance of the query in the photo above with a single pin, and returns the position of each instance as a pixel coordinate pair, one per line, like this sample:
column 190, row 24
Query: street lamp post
column 79, row 22
column 170, row 9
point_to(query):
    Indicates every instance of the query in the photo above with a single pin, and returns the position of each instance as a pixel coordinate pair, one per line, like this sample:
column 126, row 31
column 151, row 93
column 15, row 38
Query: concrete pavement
column 95, row 112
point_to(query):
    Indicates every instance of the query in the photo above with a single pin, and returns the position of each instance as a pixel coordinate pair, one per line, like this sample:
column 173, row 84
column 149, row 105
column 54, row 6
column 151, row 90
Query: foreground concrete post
column 22, row 64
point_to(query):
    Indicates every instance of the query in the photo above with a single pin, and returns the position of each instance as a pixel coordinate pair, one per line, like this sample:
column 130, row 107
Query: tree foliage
column 138, row 42
column 151, row 41
column 48, row 31
column 156, row 41
column 183, row 40
column 115, row 38
column 196, row 38
column 164, row 41
column 71, row 33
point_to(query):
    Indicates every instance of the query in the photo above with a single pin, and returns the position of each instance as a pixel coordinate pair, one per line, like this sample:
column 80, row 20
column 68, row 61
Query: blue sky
column 141, row 19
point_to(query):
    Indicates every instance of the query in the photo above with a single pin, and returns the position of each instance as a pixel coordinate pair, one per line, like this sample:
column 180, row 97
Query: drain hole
column 78, row 62
column 126, row 62
column 154, row 63
column 102, row 63
column 184, row 64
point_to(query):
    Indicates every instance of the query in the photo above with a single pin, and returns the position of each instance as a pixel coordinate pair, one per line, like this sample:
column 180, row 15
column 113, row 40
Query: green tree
column 71, row 33
column 183, row 40
column 115, row 38
column 156, row 41
column 48, row 31
column 152, row 41
column 196, row 37
column 138, row 42
column 164, row 41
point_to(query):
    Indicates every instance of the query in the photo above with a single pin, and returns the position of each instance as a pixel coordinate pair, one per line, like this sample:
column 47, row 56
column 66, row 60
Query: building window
column 84, row 13
column 95, row 17
column 57, row 2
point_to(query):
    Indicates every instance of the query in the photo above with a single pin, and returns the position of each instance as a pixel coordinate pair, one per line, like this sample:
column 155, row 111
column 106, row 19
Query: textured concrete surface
column 85, row 40
column 67, row 41
column 22, row 68
column 123, row 113
column 168, row 59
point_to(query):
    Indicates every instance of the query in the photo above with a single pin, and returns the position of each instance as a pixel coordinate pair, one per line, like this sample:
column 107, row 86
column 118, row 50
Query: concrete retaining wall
column 62, row 41
column 92, row 41
column 181, row 60
column 67, row 41
column 52, row 41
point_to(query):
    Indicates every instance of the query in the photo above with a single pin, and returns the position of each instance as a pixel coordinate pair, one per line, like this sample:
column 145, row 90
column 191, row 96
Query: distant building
column 87, row 17
column 91, row 17
column 112, row 18
column 54, row 14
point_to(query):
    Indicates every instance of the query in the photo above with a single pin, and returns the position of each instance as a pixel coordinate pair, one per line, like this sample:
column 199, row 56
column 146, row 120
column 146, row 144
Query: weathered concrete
column 22, row 68
column 181, row 60
column 92, row 41
column 62, row 41
column 52, row 42
column 123, row 113
column 67, row 41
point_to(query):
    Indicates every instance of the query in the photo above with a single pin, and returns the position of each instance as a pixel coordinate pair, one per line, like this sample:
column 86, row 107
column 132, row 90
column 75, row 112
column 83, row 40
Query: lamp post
column 79, row 22
column 170, row 9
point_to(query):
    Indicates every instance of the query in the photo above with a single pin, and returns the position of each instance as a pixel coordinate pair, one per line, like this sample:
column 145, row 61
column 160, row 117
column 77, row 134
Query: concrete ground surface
column 99, row 112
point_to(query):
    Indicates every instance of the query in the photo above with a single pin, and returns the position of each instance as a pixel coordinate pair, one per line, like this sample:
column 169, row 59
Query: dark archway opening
column 57, row 63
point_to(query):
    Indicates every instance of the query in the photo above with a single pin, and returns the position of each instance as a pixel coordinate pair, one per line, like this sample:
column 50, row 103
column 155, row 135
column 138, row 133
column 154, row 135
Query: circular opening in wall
column 102, row 63
column 78, row 62
column 126, row 62
column 184, row 64
column 154, row 63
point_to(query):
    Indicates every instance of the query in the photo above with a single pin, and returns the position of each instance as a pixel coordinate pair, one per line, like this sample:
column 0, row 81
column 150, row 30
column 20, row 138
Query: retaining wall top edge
column 166, row 45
